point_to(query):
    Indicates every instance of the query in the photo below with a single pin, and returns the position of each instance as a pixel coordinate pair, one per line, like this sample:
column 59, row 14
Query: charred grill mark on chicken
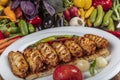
column 48, row 54
column 74, row 48
column 88, row 46
column 100, row 41
column 33, row 57
column 62, row 51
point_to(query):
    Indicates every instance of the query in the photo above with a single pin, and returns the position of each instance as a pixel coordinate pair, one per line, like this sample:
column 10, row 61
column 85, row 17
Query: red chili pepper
column 1, row 35
column 116, row 33
column 18, row 12
column 16, row 37
column 106, row 4
column 60, row 40
column 36, row 21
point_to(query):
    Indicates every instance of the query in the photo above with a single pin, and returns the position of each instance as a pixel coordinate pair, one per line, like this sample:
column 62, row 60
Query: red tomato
column 106, row 4
column 67, row 72
column 36, row 21
column 1, row 35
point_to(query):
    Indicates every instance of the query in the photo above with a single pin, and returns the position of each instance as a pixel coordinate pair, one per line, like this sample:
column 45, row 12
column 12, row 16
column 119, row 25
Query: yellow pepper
column 1, row 7
column 88, row 4
column 79, row 3
column 82, row 13
column 89, row 12
column 4, row 2
column 9, row 14
column 89, row 24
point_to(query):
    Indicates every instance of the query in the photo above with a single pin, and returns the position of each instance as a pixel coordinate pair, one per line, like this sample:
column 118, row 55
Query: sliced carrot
column 3, row 40
column 8, row 43
column 6, row 39
column 1, row 50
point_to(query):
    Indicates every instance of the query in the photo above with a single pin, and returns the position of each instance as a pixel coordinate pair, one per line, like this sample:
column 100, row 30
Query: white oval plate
column 111, row 70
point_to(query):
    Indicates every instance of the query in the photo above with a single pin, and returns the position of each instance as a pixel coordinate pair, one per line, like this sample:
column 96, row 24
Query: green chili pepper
column 17, row 34
column 12, row 24
column 23, row 27
column 51, row 38
column 31, row 28
column 111, row 25
column 92, row 68
column 13, row 30
column 106, row 19
column 63, row 36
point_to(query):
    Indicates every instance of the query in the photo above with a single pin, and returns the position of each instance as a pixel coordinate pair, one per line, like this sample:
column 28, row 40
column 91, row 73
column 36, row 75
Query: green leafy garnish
column 92, row 68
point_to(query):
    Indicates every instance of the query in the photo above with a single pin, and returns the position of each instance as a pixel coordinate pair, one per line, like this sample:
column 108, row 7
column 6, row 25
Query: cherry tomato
column 36, row 21
column 106, row 4
column 1, row 35
column 67, row 72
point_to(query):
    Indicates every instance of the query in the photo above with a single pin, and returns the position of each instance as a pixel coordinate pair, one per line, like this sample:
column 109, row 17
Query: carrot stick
column 3, row 41
column 4, row 17
column 1, row 50
column 6, row 39
column 8, row 43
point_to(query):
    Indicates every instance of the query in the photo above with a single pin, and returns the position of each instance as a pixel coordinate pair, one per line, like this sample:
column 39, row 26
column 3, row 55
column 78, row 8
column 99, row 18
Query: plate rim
column 69, row 28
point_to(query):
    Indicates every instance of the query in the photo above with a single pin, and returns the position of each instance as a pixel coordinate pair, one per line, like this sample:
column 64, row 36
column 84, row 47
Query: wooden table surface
column 117, row 77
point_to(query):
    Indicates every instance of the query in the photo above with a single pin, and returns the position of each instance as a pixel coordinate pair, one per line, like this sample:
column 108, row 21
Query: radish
column 66, row 14
column 73, row 11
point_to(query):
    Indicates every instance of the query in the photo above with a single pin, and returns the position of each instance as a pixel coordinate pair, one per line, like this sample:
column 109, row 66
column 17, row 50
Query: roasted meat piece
column 49, row 55
column 33, row 57
column 74, row 48
column 87, row 45
column 62, row 51
column 18, row 64
column 100, row 41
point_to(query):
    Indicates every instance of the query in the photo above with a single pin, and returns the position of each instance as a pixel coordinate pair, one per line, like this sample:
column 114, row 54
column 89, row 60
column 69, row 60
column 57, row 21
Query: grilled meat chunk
column 87, row 45
column 49, row 55
column 18, row 64
column 74, row 48
column 33, row 57
column 100, row 41
column 62, row 51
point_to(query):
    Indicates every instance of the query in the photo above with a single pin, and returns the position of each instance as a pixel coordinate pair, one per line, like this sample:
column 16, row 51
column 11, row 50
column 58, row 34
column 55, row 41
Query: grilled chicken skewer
column 88, row 46
column 44, row 57
column 62, row 51
column 33, row 57
column 100, row 41
column 74, row 48
column 49, row 55
column 18, row 64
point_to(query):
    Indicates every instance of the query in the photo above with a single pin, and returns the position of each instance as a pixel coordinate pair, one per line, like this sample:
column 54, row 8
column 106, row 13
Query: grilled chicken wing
column 74, row 48
column 87, row 45
column 100, row 41
column 33, row 57
column 62, row 51
column 48, row 54
column 18, row 64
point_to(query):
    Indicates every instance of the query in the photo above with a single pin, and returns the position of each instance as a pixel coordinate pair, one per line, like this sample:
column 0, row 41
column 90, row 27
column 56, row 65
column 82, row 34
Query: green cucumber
column 100, row 15
column 31, row 28
column 106, row 18
column 23, row 27
column 93, row 16
column 111, row 25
